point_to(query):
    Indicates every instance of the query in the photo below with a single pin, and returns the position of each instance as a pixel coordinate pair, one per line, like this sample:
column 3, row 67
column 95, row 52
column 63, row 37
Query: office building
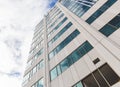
column 77, row 44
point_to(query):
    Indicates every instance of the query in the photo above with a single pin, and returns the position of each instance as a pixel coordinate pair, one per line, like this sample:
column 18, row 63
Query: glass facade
column 29, row 75
column 100, row 11
column 78, row 7
column 63, row 43
column 60, row 33
column 34, row 58
column 52, row 14
column 54, row 29
column 52, row 24
column 39, row 83
column 111, row 26
column 71, row 59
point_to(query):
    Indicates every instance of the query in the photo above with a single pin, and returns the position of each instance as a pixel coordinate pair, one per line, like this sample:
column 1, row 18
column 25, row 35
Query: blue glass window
column 115, row 21
column 58, row 69
column 64, row 65
column 79, row 84
column 100, row 11
column 70, row 59
column 39, row 83
column 53, row 73
column 57, row 26
column 107, row 30
column 60, row 33
column 63, row 43
column 111, row 26
column 78, row 7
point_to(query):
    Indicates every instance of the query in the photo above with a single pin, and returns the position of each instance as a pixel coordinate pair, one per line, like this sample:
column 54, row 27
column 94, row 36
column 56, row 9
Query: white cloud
column 7, row 81
column 17, row 22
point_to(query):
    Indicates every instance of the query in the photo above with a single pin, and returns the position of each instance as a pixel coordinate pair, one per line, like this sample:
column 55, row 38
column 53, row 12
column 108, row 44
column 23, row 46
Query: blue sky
column 52, row 3
column 18, row 19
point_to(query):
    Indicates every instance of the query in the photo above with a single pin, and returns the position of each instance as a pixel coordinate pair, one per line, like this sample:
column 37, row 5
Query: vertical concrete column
column 46, row 61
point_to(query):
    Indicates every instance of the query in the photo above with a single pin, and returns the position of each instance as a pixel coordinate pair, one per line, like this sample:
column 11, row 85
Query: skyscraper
column 77, row 44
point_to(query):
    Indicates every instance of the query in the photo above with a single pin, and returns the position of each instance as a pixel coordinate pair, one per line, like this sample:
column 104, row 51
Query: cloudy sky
column 17, row 22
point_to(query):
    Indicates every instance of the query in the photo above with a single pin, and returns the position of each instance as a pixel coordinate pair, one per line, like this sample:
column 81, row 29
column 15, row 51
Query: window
column 39, row 83
column 102, row 77
column 75, row 56
column 26, row 78
column 57, row 26
column 55, row 22
column 109, row 74
column 90, row 82
column 31, row 73
column 51, row 54
column 40, row 65
column 53, row 73
column 40, row 52
column 34, row 70
column 64, row 65
column 60, row 33
column 52, row 15
column 58, row 69
column 63, row 44
column 78, row 7
column 29, row 63
column 107, row 30
column 69, row 60
column 100, row 11
column 115, row 21
column 79, row 84
column 111, row 26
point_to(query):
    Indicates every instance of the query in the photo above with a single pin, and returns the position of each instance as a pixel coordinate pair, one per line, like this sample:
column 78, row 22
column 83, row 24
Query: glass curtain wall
column 78, row 7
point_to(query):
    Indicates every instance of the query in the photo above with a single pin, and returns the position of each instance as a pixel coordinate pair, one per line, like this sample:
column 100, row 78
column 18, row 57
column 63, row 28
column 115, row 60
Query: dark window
column 89, row 82
column 115, row 21
column 87, row 46
column 100, row 79
column 109, row 74
column 97, row 13
column 107, row 30
column 90, row 19
column 111, row 27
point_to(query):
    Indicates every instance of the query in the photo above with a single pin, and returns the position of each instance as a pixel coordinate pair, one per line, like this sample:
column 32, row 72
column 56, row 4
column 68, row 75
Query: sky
column 18, row 19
